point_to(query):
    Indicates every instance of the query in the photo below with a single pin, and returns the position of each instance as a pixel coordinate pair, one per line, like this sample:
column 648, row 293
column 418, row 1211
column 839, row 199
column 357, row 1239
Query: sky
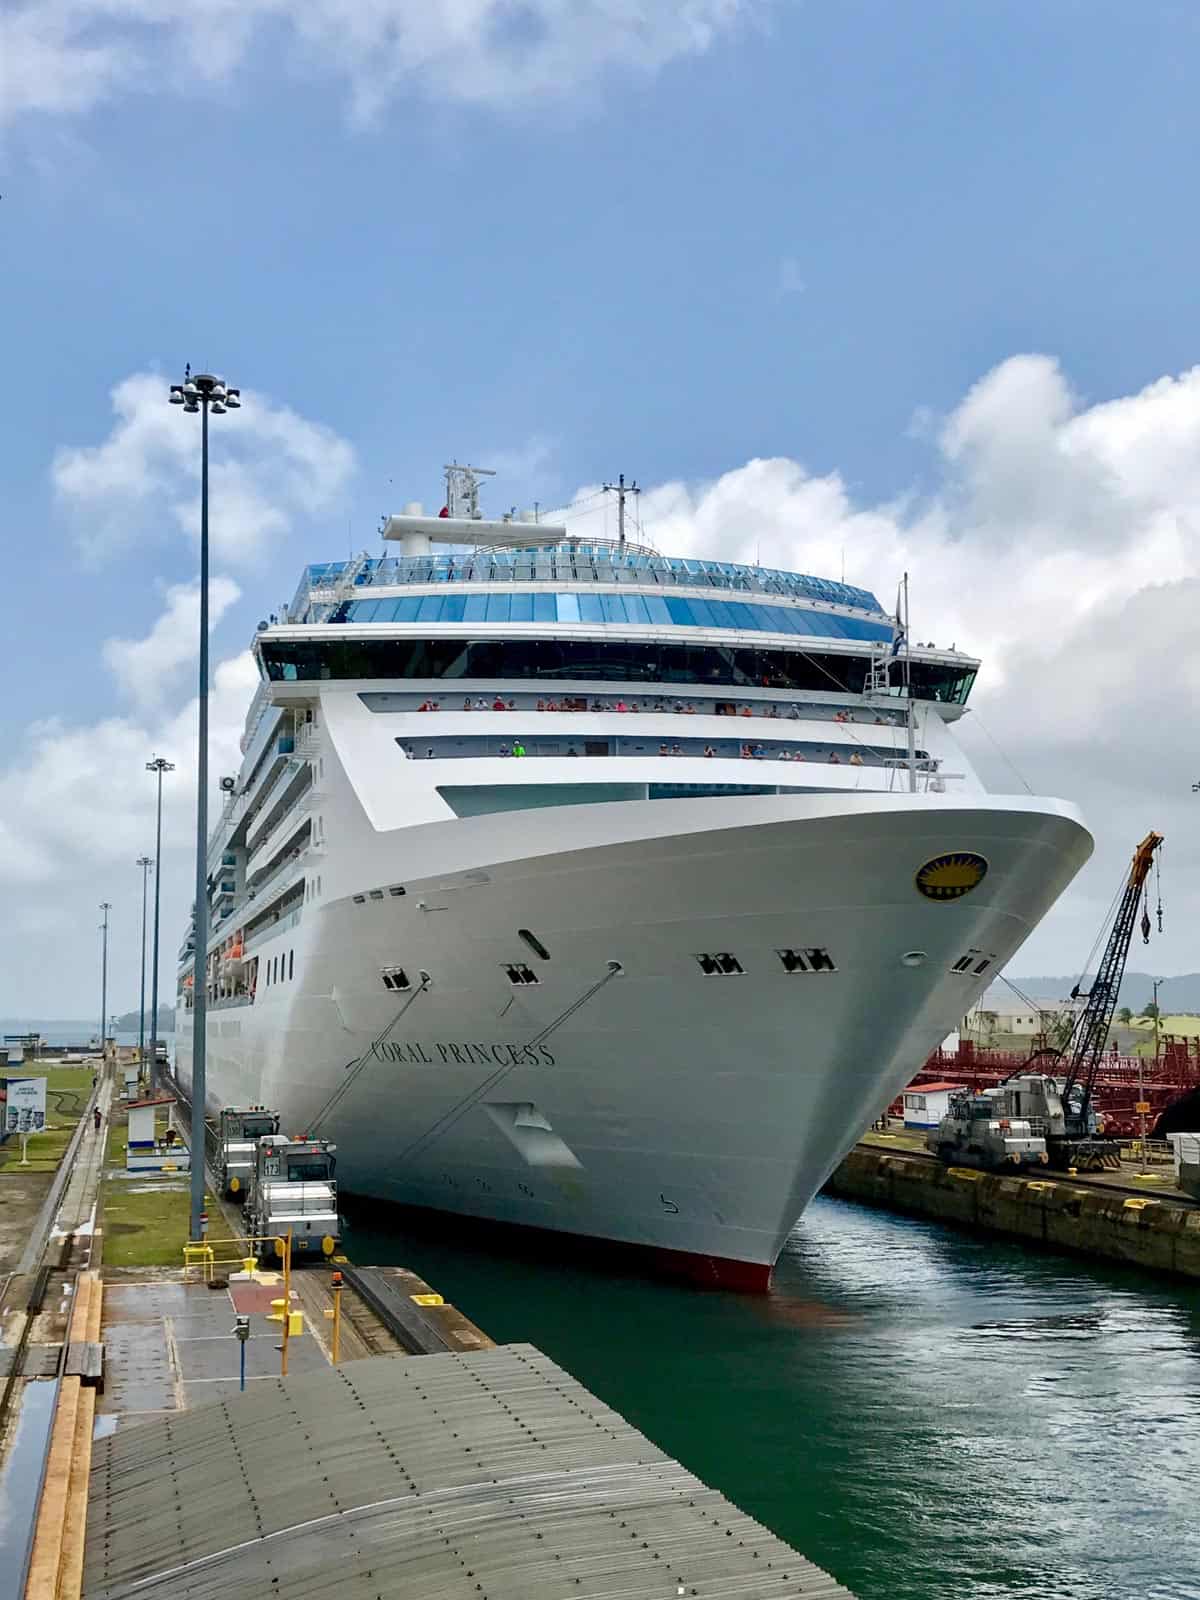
column 885, row 285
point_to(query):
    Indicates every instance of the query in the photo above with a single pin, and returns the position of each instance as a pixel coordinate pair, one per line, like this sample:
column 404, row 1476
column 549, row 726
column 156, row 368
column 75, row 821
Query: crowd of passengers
column 793, row 711
column 748, row 752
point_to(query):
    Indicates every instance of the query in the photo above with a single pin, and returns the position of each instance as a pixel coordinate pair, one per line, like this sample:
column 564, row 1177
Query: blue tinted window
column 614, row 609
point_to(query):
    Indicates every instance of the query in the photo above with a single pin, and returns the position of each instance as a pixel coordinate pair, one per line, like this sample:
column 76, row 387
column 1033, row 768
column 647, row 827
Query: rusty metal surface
column 491, row 1474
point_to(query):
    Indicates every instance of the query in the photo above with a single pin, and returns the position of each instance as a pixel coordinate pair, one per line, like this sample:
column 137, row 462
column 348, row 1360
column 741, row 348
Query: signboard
column 25, row 1109
column 1142, row 1106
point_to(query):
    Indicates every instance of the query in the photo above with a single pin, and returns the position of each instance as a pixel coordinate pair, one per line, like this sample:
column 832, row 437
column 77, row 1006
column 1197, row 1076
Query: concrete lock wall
column 1055, row 1211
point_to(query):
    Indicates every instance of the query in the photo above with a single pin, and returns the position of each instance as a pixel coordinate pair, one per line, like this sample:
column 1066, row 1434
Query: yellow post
column 287, row 1302
column 337, row 1318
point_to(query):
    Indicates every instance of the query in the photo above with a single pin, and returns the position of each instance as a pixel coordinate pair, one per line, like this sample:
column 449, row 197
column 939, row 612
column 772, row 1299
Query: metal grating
column 489, row 1476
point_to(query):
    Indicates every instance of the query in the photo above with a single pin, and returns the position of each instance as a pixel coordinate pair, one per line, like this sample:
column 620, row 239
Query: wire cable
column 1001, row 752
column 448, row 1118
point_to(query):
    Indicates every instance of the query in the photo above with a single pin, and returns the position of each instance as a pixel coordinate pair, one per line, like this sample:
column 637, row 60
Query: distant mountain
column 1174, row 994
column 128, row 1021
column 65, row 1030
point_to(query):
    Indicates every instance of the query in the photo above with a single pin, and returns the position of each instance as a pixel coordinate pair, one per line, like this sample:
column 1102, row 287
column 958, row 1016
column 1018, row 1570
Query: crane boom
column 1090, row 1033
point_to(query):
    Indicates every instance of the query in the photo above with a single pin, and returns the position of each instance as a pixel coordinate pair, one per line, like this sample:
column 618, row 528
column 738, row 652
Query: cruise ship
column 577, row 886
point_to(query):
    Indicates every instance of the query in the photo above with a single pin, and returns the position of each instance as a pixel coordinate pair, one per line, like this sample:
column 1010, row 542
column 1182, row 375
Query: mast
column 620, row 489
column 910, row 715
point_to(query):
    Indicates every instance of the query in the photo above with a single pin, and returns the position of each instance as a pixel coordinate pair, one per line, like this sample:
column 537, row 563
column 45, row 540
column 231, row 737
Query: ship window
column 291, row 964
column 812, row 959
column 395, row 978
column 721, row 965
column 376, row 894
column 534, row 943
column 981, row 967
column 396, row 889
column 360, row 899
column 518, row 973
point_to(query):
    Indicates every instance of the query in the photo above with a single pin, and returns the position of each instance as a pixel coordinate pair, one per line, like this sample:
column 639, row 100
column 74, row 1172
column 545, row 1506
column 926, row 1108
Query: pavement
column 171, row 1345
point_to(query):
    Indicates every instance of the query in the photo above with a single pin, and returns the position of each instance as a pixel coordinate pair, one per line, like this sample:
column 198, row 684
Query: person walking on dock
column 96, row 1119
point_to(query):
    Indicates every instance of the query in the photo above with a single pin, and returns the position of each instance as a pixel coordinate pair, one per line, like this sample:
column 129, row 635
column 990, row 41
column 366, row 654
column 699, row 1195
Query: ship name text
column 464, row 1053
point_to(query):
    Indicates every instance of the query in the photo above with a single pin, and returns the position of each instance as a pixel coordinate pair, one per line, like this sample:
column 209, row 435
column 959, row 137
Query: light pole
column 106, row 907
column 158, row 765
column 203, row 393
column 145, row 862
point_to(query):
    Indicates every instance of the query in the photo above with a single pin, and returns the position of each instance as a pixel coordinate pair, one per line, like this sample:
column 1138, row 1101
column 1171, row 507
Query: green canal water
column 922, row 1412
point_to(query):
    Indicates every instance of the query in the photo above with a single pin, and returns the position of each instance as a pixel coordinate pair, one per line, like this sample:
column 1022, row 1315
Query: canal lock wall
column 1057, row 1212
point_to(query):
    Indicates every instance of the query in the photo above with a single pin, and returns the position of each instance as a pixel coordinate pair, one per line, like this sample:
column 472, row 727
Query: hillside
column 1181, row 994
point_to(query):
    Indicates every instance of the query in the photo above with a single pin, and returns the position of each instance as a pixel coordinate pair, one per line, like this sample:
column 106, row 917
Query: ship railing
column 268, row 843
column 571, row 561
column 253, row 940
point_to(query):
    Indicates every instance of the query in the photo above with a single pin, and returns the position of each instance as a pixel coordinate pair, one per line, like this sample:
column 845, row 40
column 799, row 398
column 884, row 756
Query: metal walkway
column 488, row 1476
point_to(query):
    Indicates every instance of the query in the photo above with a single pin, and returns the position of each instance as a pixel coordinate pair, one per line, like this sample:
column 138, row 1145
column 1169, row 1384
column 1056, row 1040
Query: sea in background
column 927, row 1413
column 73, row 1033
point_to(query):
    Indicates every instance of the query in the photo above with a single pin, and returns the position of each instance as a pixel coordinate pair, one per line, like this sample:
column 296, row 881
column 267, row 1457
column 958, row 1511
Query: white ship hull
column 695, row 1116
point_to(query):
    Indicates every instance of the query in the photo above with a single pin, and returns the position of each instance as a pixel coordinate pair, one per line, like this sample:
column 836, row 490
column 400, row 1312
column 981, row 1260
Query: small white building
column 1014, row 1017
column 145, row 1152
column 924, row 1107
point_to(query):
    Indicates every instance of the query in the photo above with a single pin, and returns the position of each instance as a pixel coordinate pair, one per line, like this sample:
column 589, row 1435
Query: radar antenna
column 462, row 490
column 621, row 489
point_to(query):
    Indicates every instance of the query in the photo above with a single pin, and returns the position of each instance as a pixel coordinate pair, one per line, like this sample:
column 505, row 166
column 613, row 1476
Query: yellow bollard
column 336, row 1286
column 287, row 1300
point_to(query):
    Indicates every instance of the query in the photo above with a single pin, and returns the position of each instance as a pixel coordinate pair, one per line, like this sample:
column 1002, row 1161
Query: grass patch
column 144, row 1216
column 149, row 1228
column 67, row 1092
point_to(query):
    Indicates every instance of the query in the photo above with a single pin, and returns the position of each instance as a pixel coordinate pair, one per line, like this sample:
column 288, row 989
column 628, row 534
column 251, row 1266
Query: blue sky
column 798, row 231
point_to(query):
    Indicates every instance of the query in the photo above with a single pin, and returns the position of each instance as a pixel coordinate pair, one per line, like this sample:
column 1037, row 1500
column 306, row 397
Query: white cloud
column 76, row 811
column 69, row 56
column 146, row 669
column 267, row 466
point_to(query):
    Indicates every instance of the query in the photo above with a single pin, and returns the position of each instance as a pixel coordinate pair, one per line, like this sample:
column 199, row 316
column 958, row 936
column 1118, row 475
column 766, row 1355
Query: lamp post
column 145, row 862
column 202, row 393
column 106, row 907
column 158, row 765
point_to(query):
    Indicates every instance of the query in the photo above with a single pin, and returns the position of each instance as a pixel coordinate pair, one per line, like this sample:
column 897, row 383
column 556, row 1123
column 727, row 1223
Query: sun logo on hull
column 951, row 876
